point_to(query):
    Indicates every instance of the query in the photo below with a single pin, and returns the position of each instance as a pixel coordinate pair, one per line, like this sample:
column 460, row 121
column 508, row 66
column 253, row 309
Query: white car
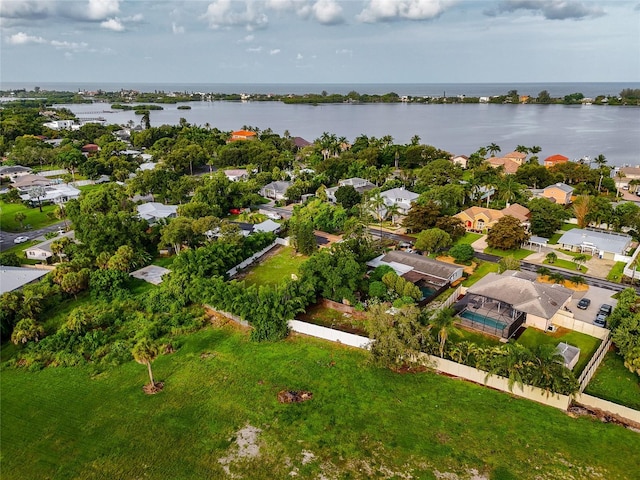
column 21, row 239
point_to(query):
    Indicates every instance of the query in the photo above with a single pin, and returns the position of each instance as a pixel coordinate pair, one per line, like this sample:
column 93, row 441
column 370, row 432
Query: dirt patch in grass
column 449, row 259
column 566, row 283
column 246, row 447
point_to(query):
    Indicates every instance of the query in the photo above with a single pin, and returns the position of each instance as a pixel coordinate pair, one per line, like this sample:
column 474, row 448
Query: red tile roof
column 556, row 159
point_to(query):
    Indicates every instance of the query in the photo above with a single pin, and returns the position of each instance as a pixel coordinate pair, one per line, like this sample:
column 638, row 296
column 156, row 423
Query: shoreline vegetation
column 38, row 97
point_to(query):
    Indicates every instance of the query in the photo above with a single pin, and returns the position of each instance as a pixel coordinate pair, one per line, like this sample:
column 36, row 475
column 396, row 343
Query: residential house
column 517, row 157
column 555, row 160
column 460, row 160
column 247, row 229
column 360, row 184
column 60, row 193
column 147, row 166
column 480, row 219
column 90, row 148
column 604, row 244
column 154, row 211
column 42, row 251
column 510, row 166
column 241, row 135
column 499, row 304
column 275, row 190
column 236, row 175
column 428, row 274
column 300, row 142
column 14, row 171
column 401, row 198
column 25, row 182
column 59, row 124
column 559, row 193
column 14, row 278
column 625, row 175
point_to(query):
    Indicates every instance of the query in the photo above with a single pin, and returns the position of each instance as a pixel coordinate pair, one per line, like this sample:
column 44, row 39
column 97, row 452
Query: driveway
column 6, row 238
column 598, row 296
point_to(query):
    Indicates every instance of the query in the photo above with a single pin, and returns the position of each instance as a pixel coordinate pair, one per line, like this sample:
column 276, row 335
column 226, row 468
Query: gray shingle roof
column 422, row 264
column 13, row 278
column 540, row 299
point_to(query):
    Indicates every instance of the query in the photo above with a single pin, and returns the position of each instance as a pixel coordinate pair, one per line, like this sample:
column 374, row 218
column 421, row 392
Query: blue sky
column 320, row 41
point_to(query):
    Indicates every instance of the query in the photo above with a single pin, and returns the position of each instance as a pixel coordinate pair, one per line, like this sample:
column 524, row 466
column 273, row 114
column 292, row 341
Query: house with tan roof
column 480, row 219
column 559, row 193
column 518, row 157
column 510, row 165
column 460, row 160
column 555, row 160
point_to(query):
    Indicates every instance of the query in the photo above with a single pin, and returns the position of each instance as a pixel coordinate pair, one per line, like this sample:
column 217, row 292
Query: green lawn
column 276, row 268
column 616, row 273
column 35, row 218
column 565, row 228
column 481, row 271
column 363, row 422
column 587, row 344
column 164, row 261
column 560, row 263
column 463, row 335
column 468, row 238
column 19, row 248
column 518, row 253
column 614, row 382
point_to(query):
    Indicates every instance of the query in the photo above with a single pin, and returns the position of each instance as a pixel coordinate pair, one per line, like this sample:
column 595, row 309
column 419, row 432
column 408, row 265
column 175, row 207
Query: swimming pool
column 488, row 321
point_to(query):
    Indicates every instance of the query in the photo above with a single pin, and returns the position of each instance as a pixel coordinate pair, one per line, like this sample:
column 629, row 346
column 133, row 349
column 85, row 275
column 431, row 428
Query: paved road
column 6, row 238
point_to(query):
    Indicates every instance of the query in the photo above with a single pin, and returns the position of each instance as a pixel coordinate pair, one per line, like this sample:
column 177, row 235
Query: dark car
column 605, row 310
column 601, row 320
column 584, row 303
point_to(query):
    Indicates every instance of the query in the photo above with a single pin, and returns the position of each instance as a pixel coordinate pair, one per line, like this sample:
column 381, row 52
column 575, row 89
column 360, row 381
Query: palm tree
column 547, row 366
column 579, row 260
column 493, row 149
column 443, row 321
column 551, row 257
column 619, row 175
column 61, row 214
column 393, row 210
column 20, row 217
column 634, row 266
column 543, row 271
column 600, row 160
column 378, row 207
column 145, row 352
column 415, row 140
column 522, row 149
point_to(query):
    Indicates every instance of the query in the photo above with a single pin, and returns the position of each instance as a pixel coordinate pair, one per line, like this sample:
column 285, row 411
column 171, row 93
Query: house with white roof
column 14, row 278
column 61, row 193
column 236, row 175
column 154, row 211
column 401, row 198
column 604, row 244
column 359, row 184
column 275, row 190
column 42, row 251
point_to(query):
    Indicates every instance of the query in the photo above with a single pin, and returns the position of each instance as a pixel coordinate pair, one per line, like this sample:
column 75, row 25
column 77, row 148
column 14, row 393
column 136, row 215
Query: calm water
column 574, row 131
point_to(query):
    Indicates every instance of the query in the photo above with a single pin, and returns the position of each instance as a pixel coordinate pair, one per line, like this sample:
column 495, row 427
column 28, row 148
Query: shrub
column 462, row 253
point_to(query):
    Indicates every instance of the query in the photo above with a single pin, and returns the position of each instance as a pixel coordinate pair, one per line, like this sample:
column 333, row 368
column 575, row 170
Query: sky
column 319, row 41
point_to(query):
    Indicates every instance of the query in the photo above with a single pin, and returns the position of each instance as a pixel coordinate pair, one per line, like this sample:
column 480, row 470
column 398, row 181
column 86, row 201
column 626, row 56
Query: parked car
column 404, row 244
column 584, row 303
column 605, row 309
column 21, row 239
column 601, row 320
column 235, row 211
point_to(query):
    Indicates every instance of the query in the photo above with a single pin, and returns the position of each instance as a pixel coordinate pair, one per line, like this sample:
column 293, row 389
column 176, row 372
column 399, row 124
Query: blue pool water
column 427, row 291
column 477, row 318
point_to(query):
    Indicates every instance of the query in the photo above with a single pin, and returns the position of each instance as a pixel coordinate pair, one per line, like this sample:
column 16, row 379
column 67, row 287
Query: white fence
column 566, row 321
column 460, row 290
column 337, row 336
column 617, row 411
column 256, row 256
column 593, row 364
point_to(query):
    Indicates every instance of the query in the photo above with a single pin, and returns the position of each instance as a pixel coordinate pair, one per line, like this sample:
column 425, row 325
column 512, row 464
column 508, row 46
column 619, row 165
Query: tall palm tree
column 378, row 208
column 546, row 368
column 61, row 214
column 443, row 322
column 493, row 148
column 145, row 352
column 600, row 160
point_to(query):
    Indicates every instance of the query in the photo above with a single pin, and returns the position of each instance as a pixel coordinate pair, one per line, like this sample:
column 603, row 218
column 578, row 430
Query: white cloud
column 327, row 12
column 25, row 9
column 225, row 13
column 554, row 9
column 249, row 38
column 299, row 56
column 254, row 49
column 275, row 51
column 113, row 24
column 390, row 10
column 138, row 17
column 102, row 9
column 74, row 46
column 344, row 51
column 176, row 29
column 22, row 38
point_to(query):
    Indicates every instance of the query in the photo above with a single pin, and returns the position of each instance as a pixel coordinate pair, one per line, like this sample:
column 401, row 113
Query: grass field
column 468, row 238
column 362, row 422
column 565, row 228
column 587, row 344
column 560, row 263
column 481, row 271
column 276, row 268
column 35, row 218
column 616, row 273
column 614, row 382
column 518, row 253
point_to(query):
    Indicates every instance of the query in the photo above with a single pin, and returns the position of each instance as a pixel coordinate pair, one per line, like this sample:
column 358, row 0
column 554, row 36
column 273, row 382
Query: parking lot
column 598, row 296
